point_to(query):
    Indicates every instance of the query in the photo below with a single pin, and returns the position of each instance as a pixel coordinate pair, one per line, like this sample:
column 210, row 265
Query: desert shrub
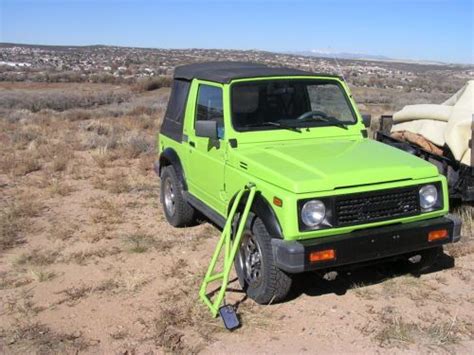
column 14, row 116
column 95, row 141
column 395, row 99
column 9, row 228
column 61, row 160
column 38, row 257
column 136, row 144
column 151, row 84
column 26, row 163
column 78, row 115
column 12, row 220
column 100, row 135
column 25, row 135
column 58, row 101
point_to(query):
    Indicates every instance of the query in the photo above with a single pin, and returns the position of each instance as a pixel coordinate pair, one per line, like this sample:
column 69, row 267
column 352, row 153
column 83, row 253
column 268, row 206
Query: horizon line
column 302, row 52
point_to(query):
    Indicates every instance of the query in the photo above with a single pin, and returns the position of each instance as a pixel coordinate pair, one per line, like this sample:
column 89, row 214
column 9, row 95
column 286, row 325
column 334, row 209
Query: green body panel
column 316, row 162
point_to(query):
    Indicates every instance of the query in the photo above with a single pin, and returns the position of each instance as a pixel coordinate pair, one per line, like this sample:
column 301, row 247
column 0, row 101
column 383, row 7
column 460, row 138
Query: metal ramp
column 227, row 246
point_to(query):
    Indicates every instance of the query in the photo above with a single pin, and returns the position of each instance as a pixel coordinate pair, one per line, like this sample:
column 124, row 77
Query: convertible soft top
column 220, row 72
column 225, row 72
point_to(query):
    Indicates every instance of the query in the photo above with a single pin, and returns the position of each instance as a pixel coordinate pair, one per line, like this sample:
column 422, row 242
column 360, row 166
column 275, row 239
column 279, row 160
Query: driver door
column 206, row 156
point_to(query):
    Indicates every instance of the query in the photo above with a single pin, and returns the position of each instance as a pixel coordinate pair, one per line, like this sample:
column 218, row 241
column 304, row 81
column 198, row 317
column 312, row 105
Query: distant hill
column 361, row 56
column 117, row 64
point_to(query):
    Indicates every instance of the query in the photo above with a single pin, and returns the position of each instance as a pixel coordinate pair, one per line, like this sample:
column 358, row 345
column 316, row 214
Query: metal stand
column 230, row 247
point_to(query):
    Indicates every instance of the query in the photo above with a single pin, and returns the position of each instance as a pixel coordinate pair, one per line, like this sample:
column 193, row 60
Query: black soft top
column 225, row 72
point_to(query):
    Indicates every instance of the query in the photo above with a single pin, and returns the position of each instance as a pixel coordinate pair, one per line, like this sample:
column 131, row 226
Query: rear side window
column 209, row 104
column 172, row 126
column 177, row 101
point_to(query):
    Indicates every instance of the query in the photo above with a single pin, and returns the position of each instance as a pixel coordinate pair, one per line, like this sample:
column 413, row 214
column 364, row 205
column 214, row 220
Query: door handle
column 192, row 144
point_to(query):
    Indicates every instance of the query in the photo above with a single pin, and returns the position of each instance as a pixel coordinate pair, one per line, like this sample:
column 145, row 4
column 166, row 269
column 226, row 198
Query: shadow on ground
column 315, row 284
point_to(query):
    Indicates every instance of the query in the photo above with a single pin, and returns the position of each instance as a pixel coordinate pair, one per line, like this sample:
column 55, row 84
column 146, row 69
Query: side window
column 209, row 106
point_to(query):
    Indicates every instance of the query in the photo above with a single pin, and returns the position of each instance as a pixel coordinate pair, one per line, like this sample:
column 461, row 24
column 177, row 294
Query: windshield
column 295, row 103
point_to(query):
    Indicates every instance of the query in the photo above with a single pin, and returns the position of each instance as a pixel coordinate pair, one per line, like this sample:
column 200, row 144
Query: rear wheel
column 259, row 277
column 178, row 212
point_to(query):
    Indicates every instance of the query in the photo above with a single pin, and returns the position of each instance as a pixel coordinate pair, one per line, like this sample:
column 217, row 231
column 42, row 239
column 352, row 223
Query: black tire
column 428, row 259
column 181, row 214
column 273, row 285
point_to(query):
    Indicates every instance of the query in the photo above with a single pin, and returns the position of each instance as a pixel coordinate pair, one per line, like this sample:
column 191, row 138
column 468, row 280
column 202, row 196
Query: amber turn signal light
column 437, row 235
column 277, row 201
column 322, row 255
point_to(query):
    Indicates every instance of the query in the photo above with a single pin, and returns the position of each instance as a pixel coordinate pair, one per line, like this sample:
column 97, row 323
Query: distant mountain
column 341, row 55
column 359, row 56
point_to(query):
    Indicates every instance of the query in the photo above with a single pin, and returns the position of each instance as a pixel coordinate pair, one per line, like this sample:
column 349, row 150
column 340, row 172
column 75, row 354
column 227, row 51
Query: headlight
column 313, row 213
column 428, row 196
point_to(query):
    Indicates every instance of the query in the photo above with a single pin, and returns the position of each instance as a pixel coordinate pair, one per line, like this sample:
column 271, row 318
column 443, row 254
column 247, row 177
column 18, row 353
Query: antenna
column 337, row 63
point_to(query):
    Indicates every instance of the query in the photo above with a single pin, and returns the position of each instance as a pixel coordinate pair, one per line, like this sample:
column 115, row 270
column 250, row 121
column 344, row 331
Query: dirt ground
column 88, row 263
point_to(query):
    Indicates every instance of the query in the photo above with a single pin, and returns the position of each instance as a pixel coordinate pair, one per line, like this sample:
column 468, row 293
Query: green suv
column 327, row 196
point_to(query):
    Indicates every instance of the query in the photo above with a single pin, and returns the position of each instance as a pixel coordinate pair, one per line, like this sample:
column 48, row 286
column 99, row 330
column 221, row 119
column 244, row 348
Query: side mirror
column 367, row 119
column 206, row 129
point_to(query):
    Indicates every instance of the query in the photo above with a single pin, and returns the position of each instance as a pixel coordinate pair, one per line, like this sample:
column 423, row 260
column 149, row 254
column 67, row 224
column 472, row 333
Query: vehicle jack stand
column 230, row 246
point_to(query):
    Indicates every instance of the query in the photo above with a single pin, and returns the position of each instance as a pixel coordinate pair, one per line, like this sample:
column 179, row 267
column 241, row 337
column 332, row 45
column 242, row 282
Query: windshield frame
column 310, row 124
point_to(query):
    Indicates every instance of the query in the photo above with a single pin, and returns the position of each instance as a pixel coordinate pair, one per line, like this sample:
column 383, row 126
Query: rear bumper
column 364, row 245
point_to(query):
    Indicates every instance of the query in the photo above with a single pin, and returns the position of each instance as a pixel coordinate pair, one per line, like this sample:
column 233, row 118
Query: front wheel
column 255, row 267
column 177, row 211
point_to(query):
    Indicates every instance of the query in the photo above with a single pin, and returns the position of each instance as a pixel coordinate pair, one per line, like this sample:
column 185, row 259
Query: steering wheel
column 311, row 114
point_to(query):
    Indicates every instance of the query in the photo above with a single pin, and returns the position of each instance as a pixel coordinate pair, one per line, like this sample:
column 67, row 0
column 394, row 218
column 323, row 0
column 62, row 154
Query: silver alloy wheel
column 169, row 197
column 250, row 259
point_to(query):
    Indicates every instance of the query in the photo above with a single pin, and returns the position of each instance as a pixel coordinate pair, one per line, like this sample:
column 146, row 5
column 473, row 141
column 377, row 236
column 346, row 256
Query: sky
column 440, row 30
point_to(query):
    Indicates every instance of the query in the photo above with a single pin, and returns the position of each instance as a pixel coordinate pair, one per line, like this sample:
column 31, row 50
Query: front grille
column 376, row 206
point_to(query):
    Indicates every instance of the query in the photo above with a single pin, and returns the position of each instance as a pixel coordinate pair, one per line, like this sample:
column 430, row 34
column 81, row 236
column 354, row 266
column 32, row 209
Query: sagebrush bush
column 78, row 114
column 155, row 83
column 58, row 100
column 136, row 144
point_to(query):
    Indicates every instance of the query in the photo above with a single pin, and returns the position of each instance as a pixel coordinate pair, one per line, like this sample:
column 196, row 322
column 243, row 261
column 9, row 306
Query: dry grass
column 58, row 100
column 43, row 275
column 396, row 331
column 140, row 242
column 84, row 256
column 61, row 231
column 38, row 257
column 40, row 339
column 150, row 84
column 10, row 228
column 364, row 292
column 74, row 294
column 466, row 244
column 25, row 163
column 100, row 223
column 130, row 282
column 108, row 212
column 183, row 315
column 9, row 280
column 13, row 220
column 104, row 156
column 57, row 187
column 119, row 183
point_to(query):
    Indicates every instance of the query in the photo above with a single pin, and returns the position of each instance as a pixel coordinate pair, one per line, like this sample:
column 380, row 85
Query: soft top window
column 177, row 101
column 173, row 122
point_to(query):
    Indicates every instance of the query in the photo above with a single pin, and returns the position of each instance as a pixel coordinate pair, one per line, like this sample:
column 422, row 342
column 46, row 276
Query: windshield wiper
column 328, row 119
column 275, row 124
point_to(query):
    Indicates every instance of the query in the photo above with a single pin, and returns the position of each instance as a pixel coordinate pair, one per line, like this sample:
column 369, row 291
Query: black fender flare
column 170, row 157
column 261, row 208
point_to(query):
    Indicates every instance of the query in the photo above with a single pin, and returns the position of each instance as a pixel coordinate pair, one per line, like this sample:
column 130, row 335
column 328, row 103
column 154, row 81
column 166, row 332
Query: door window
column 209, row 106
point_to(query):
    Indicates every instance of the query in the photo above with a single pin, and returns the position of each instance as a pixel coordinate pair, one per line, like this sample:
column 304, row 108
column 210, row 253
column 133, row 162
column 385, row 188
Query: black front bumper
column 364, row 245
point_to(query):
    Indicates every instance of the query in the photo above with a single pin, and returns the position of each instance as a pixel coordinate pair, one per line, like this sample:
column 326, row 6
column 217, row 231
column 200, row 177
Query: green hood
column 328, row 164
